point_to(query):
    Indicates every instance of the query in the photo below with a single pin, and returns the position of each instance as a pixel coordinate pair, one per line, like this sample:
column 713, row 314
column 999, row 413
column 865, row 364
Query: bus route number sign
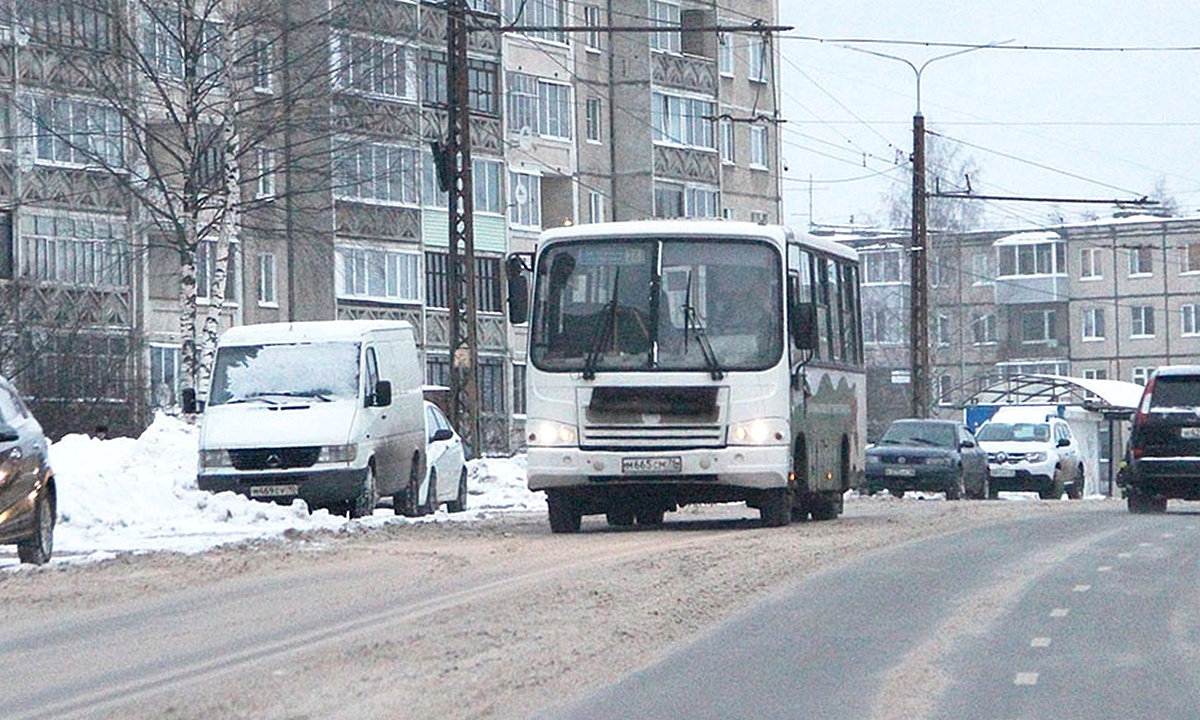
column 651, row 465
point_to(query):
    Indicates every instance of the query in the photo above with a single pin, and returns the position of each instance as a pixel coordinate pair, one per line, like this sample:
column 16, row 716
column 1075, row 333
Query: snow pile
column 128, row 494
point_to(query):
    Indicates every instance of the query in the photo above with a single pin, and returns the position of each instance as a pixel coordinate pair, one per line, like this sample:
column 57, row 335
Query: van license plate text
column 649, row 465
column 1189, row 432
column 274, row 490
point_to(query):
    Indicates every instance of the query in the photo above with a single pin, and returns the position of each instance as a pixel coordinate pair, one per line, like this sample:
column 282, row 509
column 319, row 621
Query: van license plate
column 651, row 465
column 274, row 490
column 1190, row 432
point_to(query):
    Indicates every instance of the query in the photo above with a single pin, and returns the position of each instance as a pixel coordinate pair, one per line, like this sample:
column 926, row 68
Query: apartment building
column 1109, row 299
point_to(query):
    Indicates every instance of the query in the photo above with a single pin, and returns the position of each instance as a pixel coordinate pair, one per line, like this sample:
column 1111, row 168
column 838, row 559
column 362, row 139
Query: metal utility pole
column 464, row 343
column 918, row 330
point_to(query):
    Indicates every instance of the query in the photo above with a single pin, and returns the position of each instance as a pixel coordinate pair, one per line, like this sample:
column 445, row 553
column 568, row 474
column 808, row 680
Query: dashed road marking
column 1040, row 642
column 1145, row 544
column 1081, row 588
column 1168, row 535
column 1059, row 612
column 1125, row 555
column 1104, row 568
column 1025, row 678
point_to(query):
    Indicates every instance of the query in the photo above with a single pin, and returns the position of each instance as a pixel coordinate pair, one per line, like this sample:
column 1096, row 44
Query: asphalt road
column 1080, row 615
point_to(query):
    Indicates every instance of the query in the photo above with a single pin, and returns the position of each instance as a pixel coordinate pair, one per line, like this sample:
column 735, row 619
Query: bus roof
column 686, row 227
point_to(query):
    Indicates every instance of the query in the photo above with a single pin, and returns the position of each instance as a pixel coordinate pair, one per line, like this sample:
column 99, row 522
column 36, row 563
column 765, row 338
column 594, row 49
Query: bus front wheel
column 775, row 506
column 565, row 515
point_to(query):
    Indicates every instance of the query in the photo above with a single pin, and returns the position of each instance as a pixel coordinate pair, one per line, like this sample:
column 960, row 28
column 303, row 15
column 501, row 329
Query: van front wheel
column 368, row 496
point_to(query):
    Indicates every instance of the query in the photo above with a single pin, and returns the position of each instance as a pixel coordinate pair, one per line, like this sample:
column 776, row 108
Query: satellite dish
column 525, row 138
column 521, row 195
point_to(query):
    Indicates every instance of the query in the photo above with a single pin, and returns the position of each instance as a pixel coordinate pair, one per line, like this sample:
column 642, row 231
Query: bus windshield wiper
column 692, row 324
column 601, row 333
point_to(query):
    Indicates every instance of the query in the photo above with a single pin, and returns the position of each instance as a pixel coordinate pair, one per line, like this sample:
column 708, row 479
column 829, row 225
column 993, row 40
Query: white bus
column 674, row 362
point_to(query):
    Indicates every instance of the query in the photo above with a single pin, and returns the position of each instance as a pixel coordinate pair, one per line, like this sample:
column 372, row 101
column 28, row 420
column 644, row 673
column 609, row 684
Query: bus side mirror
column 802, row 325
column 518, row 290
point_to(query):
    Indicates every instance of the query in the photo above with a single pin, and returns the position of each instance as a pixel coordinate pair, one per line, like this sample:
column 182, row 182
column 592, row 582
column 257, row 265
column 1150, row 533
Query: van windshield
column 266, row 373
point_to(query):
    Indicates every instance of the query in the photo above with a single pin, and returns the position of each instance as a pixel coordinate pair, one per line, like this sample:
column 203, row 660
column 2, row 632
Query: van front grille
column 274, row 458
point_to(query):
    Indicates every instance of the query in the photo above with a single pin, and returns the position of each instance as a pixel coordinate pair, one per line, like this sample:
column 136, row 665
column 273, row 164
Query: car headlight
column 211, row 459
column 941, row 461
column 549, row 433
column 337, row 453
column 757, row 432
column 1035, row 457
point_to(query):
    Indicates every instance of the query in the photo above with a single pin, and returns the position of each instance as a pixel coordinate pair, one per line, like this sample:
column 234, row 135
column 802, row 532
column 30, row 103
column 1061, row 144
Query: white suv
column 1032, row 454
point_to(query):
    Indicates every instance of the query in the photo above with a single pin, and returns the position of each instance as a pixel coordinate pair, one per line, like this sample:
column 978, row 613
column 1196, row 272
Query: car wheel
column 368, row 496
column 431, row 495
column 37, row 548
column 459, row 503
column 1075, row 490
column 1053, row 491
column 897, row 493
column 775, row 507
column 565, row 515
column 956, row 489
column 406, row 500
column 1145, row 504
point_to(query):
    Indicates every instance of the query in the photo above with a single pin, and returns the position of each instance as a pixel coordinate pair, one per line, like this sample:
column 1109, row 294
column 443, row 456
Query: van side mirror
column 1063, row 442
column 518, row 290
column 8, row 433
column 802, row 325
column 191, row 405
column 382, row 396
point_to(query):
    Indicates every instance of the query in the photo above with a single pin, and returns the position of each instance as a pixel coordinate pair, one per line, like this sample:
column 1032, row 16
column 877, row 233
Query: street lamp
column 918, row 324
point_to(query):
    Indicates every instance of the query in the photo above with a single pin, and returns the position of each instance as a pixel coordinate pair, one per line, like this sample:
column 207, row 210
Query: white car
column 445, row 464
column 1038, row 454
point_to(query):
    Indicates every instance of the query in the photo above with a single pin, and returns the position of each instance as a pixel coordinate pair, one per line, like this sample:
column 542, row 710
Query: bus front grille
column 643, row 437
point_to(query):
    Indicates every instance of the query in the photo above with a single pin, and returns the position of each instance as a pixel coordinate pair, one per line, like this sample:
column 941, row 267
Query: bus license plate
column 651, row 465
column 274, row 490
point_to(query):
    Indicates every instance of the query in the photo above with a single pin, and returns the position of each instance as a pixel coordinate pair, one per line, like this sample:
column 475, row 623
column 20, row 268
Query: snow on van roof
column 311, row 331
column 691, row 227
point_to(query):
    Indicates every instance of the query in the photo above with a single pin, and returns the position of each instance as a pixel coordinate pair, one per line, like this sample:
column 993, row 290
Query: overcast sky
column 1070, row 123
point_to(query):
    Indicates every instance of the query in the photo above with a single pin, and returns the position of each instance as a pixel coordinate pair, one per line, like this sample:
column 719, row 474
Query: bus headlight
column 757, row 432
column 549, row 433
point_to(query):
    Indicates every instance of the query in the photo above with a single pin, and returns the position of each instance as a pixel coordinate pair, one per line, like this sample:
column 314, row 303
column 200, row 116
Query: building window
column 437, row 280
column 164, row 375
column 668, row 200
column 1090, row 267
column 437, row 370
column 665, row 14
column 1143, row 321
column 75, row 132
column 725, row 54
column 983, row 271
column 592, row 112
column 375, row 274
column 675, row 200
column 374, row 66
column 881, row 266
column 1191, row 257
column 492, row 391
column 375, row 172
column 518, row 381
column 935, row 271
column 880, row 327
column 1187, row 314
column 483, row 79
column 79, row 251
column 172, row 40
column 756, row 59
column 758, row 217
column 265, row 184
column 945, row 389
column 543, row 107
column 941, row 330
column 758, row 147
column 267, row 296
column 68, row 22
column 486, row 178
column 595, row 207
column 1025, row 259
column 1141, row 260
column 207, row 262
column 487, row 282
column 1141, row 375
column 525, row 200
column 1093, row 323
column 683, row 121
column 728, row 147
column 263, row 64
column 538, row 13
column 983, row 329
column 1095, row 374
column 592, row 18
column 1037, row 326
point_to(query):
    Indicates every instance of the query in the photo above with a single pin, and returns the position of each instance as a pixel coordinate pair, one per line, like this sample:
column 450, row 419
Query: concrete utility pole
column 456, row 166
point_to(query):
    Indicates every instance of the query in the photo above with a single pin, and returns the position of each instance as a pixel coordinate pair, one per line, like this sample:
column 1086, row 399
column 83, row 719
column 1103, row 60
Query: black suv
column 1164, row 447
column 27, row 491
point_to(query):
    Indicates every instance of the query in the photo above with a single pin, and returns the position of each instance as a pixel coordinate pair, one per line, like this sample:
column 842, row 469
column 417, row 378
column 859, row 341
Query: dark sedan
column 930, row 456
column 27, row 499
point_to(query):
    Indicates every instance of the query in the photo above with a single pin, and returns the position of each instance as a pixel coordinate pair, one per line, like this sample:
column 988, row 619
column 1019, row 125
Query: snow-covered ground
column 139, row 494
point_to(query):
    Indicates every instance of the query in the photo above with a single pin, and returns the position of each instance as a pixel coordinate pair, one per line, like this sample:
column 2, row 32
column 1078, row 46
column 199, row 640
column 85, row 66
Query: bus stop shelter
column 1092, row 407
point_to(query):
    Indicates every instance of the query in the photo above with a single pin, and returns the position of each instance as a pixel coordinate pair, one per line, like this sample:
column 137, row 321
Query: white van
column 329, row 412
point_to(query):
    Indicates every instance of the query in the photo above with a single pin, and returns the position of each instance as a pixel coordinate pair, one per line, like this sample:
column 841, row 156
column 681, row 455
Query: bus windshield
column 674, row 303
